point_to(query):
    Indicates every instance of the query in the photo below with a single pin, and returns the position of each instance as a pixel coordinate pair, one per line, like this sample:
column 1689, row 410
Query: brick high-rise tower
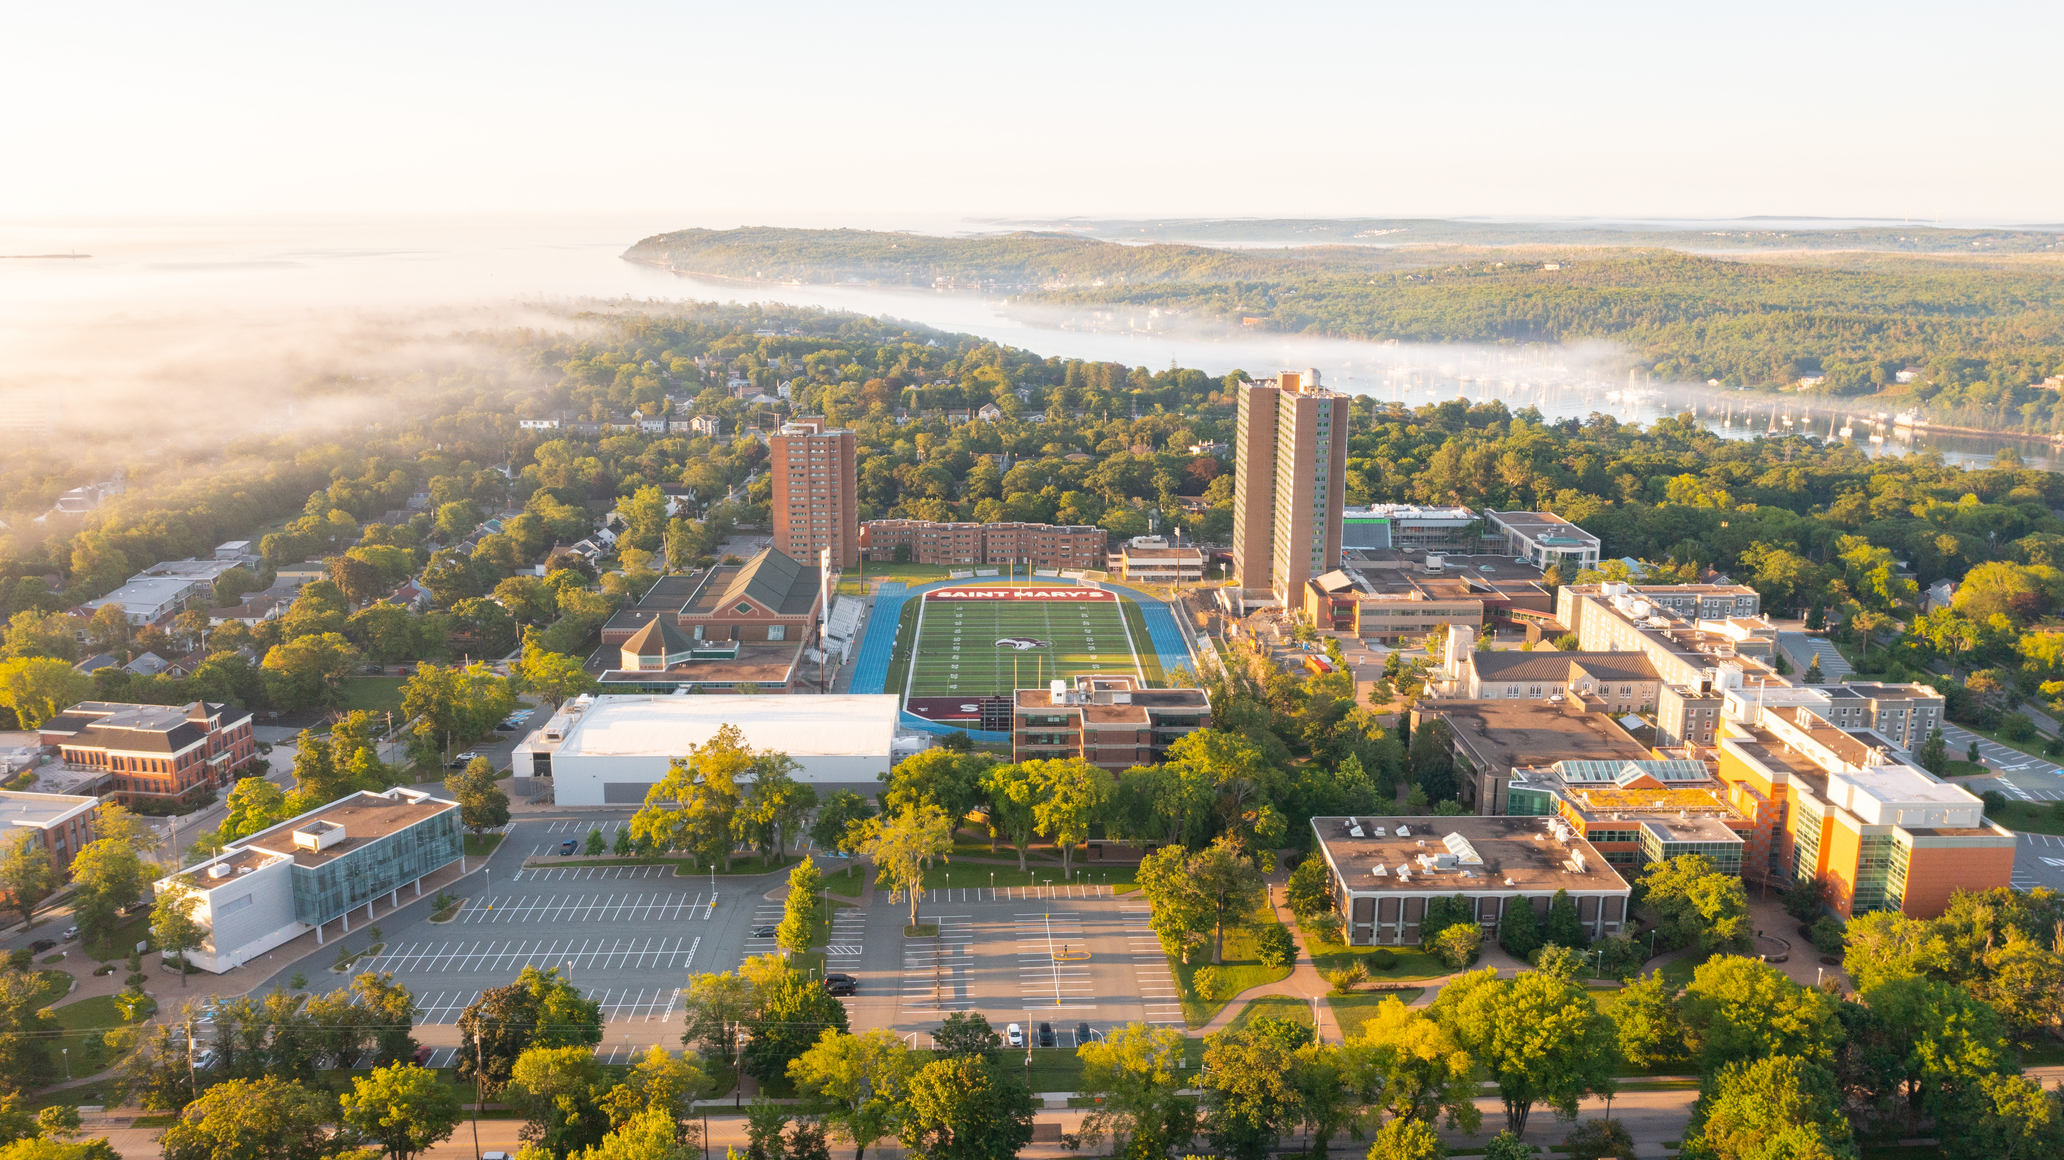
column 816, row 491
column 1289, row 483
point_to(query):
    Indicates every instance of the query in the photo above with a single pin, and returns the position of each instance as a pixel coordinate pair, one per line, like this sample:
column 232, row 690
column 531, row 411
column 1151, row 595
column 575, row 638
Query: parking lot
column 629, row 936
column 1063, row 954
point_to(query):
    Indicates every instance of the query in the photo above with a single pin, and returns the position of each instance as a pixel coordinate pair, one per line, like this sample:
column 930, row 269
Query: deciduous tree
column 858, row 1082
column 401, row 1109
column 1541, row 1039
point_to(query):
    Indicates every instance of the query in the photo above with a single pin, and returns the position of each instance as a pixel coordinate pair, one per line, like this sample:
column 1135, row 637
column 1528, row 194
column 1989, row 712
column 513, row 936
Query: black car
column 506, row 727
column 41, row 945
column 763, row 932
column 1082, row 1034
column 838, row 984
column 1046, row 1035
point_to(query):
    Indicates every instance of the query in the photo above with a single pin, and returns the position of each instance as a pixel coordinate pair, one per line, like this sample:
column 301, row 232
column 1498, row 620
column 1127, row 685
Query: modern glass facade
column 1806, row 844
column 355, row 877
column 1873, row 872
column 1726, row 856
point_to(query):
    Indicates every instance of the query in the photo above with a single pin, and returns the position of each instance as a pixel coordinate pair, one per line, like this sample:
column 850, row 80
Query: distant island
column 37, row 257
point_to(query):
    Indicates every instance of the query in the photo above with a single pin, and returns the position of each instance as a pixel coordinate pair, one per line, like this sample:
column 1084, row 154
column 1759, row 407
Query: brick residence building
column 154, row 752
column 969, row 544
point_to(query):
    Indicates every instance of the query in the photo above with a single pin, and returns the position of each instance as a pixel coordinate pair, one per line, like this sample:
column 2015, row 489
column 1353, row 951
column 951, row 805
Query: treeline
column 1983, row 332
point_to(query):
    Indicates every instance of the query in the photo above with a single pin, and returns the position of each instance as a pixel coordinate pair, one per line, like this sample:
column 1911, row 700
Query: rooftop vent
column 219, row 870
column 1379, row 872
column 318, row 835
column 1354, row 831
column 1404, row 831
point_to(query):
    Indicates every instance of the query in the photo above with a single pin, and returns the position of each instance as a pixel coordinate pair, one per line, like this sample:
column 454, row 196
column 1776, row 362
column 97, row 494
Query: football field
column 986, row 642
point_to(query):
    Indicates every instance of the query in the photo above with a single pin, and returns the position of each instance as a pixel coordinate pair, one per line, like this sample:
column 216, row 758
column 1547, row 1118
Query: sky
column 910, row 113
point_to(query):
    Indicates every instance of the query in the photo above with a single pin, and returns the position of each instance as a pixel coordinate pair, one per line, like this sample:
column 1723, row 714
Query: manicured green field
column 958, row 651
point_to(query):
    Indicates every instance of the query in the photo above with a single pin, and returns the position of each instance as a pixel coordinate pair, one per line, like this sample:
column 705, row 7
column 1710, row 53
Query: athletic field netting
column 988, row 641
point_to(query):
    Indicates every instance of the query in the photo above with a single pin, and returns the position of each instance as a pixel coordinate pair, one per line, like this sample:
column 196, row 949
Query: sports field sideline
column 987, row 641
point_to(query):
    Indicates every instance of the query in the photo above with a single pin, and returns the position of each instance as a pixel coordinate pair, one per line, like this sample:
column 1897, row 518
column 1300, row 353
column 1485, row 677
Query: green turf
column 957, row 654
column 379, row 694
column 2028, row 817
column 1351, row 1011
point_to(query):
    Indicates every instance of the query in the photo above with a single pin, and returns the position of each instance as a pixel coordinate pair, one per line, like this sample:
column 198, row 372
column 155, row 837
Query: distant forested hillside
column 1985, row 331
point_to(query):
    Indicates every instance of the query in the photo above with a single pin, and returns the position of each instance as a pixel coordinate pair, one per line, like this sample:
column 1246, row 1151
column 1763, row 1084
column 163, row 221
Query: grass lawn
column 2045, row 1053
column 965, row 847
column 1351, row 1011
column 1411, row 963
column 481, row 845
column 1958, row 767
column 1273, row 1007
column 844, row 884
column 86, row 1024
column 980, row 874
column 909, row 574
column 2028, row 817
column 121, row 942
column 379, row 694
column 1240, row 971
column 50, row 987
column 2033, row 748
column 1059, row 1069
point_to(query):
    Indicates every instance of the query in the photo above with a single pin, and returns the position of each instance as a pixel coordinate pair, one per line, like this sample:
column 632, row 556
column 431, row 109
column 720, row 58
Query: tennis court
column 988, row 641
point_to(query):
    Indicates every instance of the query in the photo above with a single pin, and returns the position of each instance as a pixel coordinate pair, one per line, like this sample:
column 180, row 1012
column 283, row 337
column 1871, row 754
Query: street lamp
column 67, row 1061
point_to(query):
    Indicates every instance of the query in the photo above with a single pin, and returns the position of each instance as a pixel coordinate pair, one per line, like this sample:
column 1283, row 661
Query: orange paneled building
column 1850, row 812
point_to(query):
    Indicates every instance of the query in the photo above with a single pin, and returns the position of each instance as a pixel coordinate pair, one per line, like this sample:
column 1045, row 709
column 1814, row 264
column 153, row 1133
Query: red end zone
column 1021, row 594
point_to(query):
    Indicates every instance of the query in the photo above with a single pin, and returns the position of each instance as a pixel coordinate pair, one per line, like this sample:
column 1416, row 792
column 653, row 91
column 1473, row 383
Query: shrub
column 1457, row 946
column 1623, row 956
column 1382, row 959
column 1506, row 1146
column 1560, row 961
column 1995, row 801
column 1326, row 927
column 1207, row 982
column 20, row 959
column 1597, row 1140
column 1347, row 978
column 1274, row 946
column 1828, row 935
column 1803, row 900
column 2017, row 728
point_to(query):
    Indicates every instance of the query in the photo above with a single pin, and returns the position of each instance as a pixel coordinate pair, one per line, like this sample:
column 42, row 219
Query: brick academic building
column 1040, row 545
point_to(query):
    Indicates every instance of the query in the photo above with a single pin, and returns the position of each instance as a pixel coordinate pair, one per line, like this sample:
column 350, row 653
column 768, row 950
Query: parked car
column 1014, row 1036
column 841, row 984
column 763, row 932
column 1046, row 1035
column 568, row 846
column 423, row 1055
column 506, row 726
column 1083, row 1034
column 71, row 932
column 41, row 945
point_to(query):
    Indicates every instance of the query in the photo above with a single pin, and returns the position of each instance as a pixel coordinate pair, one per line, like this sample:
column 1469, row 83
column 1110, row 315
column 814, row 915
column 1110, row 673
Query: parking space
column 642, row 906
column 1159, row 996
column 2039, row 862
column 1016, row 893
column 2021, row 776
column 766, row 916
column 590, row 873
column 509, row 956
column 938, row 973
column 1053, row 962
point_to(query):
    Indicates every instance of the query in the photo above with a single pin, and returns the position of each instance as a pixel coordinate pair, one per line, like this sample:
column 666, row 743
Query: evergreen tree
column 1934, row 753
column 1813, row 676
column 1520, row 931
column 1564, row 928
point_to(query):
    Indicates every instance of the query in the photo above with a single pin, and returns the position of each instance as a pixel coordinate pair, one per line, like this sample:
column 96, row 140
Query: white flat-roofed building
column 149, row 601
column 1408, row 526
column 316, row 869
column 1545, row 538
column 611, row 750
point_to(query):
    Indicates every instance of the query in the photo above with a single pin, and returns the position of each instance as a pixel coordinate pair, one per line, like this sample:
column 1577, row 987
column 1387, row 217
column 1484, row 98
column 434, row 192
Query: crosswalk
column 935, row 971
column 512, row 955
column 641, row 907
column 1157, row 987
column 1050, row 976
